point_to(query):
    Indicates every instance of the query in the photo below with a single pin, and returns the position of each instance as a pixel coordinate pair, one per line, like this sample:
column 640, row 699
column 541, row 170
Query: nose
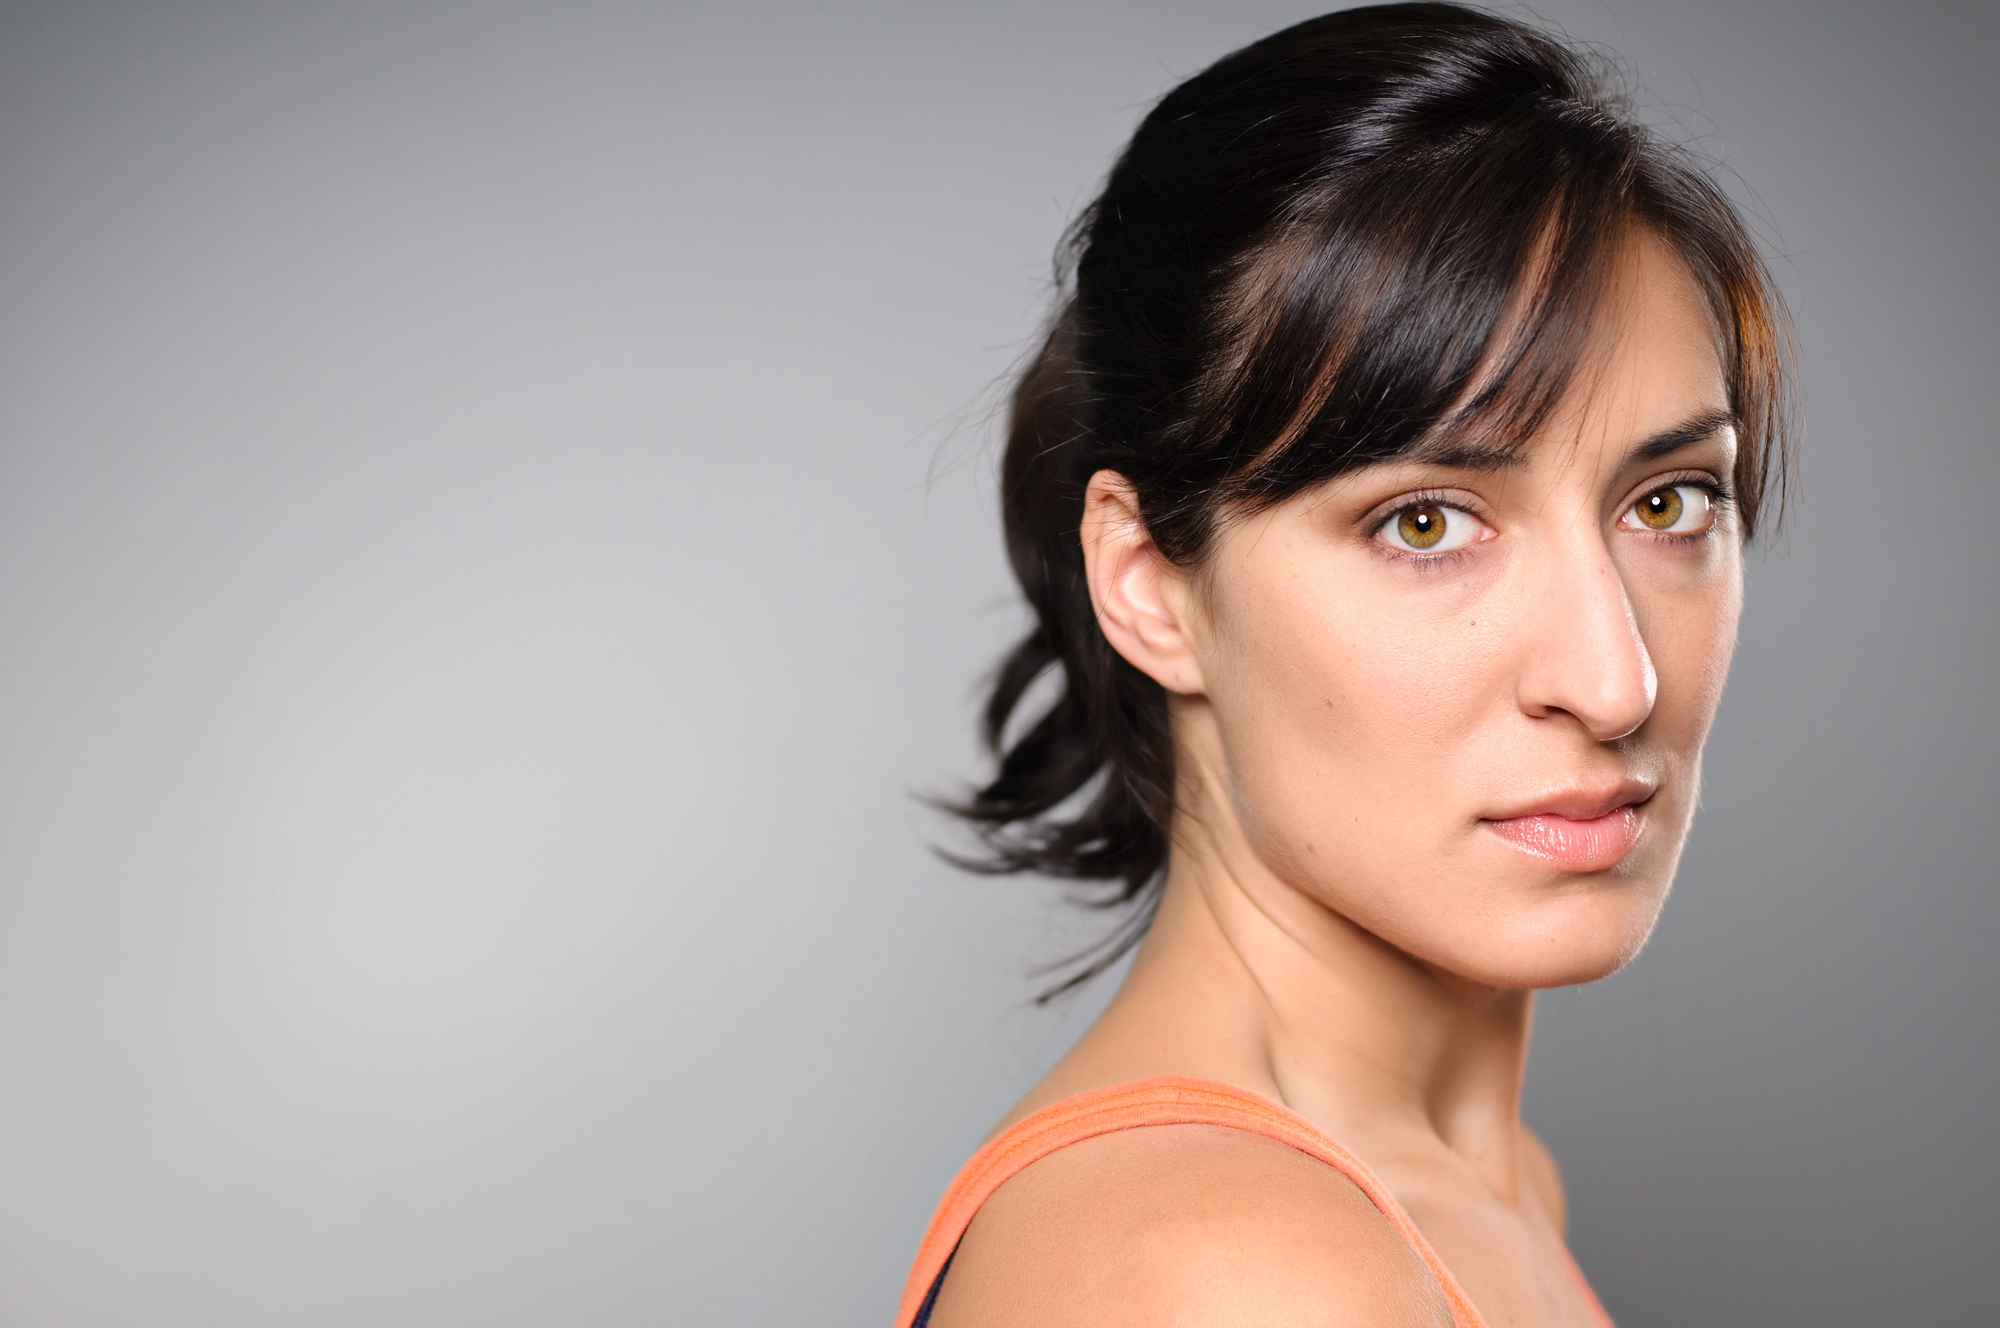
column 1585, row 656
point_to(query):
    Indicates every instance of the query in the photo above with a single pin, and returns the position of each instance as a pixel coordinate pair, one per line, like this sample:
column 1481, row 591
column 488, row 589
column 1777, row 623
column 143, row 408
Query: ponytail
column 1103, row 742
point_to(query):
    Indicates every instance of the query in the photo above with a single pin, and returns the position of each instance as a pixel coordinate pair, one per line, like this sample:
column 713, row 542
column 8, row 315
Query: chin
column 1590, row 931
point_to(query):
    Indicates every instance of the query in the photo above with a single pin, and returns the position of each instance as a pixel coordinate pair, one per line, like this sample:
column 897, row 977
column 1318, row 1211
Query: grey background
column 496, row 520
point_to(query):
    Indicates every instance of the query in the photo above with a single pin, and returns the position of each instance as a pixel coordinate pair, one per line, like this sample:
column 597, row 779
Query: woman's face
column 1463, row 705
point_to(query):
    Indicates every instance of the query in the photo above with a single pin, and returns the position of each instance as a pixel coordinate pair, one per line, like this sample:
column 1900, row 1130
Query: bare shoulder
column 1184, row 1225
column 1546, row 1177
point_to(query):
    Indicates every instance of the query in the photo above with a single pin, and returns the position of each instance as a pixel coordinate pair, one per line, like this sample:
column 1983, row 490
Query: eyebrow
column 1697, row 429
column 1463, row 454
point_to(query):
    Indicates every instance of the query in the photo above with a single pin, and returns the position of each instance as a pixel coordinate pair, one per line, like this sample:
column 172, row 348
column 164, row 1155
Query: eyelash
column 1428, row 562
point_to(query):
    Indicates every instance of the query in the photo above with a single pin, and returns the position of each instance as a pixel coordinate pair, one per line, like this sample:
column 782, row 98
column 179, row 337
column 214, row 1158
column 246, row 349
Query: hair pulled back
column 1350, row 241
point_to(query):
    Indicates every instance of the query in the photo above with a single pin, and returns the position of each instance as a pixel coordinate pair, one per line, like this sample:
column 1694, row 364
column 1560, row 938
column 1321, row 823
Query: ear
column 1142, row 600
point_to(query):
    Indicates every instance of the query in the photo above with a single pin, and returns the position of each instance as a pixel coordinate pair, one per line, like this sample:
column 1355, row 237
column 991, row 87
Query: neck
column 1245, row 978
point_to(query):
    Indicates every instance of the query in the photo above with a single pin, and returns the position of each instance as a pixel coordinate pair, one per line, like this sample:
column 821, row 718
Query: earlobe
column 1141, row 599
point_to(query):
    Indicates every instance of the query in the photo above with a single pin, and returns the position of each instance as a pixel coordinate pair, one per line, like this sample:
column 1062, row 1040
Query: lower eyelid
column 1641, row 528
column 1428, row 562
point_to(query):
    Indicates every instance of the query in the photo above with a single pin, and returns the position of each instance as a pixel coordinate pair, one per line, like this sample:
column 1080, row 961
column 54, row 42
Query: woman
column 1380, row 493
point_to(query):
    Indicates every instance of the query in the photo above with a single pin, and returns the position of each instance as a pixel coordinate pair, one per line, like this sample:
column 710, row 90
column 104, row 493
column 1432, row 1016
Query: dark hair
column 1338, row 245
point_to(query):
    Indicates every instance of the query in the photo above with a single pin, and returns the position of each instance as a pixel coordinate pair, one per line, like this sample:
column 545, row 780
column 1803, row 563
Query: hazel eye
column 1429, row 528
column 1674, row 509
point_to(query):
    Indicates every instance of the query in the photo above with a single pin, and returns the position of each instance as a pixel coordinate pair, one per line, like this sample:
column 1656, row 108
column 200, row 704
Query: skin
column 1343, row 929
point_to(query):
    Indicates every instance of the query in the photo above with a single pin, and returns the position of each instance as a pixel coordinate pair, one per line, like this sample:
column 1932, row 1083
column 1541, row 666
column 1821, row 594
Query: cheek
column 1341, row 708
column 1690, row 631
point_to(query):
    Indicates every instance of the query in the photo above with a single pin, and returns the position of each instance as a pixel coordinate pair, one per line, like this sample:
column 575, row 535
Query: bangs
column 1440, row 302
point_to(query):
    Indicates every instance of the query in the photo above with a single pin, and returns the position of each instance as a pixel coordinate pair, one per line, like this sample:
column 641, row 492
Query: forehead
column 1656, row 324
column 1655, row 359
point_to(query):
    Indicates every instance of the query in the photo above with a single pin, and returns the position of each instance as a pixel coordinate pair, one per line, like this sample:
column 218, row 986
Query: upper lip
column 1583, row 804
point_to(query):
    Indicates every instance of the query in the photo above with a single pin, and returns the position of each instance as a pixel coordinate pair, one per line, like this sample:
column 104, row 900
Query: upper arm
column 1184, row 1226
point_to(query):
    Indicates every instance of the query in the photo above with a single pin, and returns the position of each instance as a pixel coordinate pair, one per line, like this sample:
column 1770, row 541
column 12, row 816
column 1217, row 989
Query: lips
column 1575, row 844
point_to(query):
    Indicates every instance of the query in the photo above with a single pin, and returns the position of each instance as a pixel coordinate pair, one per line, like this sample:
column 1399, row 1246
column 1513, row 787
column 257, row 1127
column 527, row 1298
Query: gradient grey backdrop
column 496, row 519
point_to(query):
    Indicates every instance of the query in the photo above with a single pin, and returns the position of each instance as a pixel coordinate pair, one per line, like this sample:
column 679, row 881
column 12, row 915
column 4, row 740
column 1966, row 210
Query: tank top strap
column 1163, row 1101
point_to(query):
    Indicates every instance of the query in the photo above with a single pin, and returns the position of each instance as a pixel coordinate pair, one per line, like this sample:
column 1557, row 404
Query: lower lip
column 1577, row 846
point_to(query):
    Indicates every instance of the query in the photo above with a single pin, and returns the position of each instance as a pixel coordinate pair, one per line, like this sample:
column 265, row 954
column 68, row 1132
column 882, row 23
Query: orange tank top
column 1164, row 1101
